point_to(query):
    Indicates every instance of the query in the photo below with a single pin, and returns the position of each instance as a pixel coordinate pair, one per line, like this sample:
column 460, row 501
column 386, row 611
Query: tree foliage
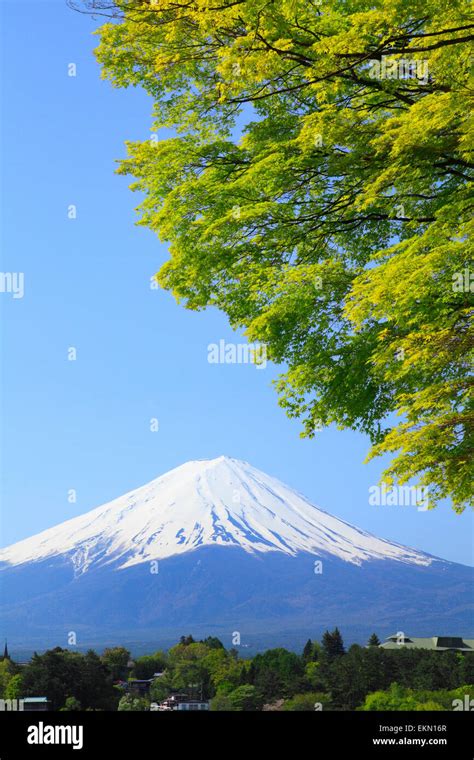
column 307, row 702
column 277, row 673
column 60, row 674
column 316, row 189
column 8, row 670
column 14, row 688
column 146, row 666
column 116, row 659
column 374, row 640
column 366, row 678
column 332, row 643
column 132, row 703
column 401, row 699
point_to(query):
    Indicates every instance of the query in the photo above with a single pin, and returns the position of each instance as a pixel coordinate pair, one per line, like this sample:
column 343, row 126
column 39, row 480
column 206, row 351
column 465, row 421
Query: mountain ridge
column 238, row 551
column 221, row 501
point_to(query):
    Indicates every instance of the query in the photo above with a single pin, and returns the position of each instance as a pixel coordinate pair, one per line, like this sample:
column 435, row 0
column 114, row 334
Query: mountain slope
column 205, row 503
column 237, row 552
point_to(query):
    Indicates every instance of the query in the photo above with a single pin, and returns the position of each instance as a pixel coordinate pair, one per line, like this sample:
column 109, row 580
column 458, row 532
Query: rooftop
column 435, row 643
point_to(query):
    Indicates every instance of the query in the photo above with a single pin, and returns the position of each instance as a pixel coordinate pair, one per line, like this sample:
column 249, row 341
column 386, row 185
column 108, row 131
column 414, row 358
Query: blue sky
column 85, row 424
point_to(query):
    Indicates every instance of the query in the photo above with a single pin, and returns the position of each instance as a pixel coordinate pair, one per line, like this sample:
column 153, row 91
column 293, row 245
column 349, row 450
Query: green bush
column 310, row 702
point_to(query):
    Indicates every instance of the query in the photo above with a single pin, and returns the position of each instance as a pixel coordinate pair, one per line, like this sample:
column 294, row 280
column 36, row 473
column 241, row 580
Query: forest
column 324, row 676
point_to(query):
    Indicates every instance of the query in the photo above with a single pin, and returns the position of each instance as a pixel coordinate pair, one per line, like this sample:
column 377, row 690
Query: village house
column 435, row 643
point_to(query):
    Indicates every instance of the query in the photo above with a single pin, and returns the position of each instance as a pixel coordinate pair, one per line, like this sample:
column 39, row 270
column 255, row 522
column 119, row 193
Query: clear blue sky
column 84, row 425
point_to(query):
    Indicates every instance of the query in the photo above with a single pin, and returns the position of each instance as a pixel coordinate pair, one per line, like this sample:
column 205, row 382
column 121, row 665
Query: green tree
column 434, row 672
column 199, row 668
column 8, row 670
column 399, row 698
column 71, row 705
column 59, row 674
column 161, row 687
column 314, row 675
column 94, row 687
column 249, row 673
column 465, row 668
column 54, row 674
column 224, row 670
column 221, row 702
column 309, row 702
column 129, row 703
column 188, row 667
column 336, row 228
column 350, row 678
column 461, row 698
column 14, row 688
column 332, row 644
column 186, row 640
column 213, row 642
column 374, row 640
column 116, row 659
column 278, row 673
column 146, row 666
column 245, row 698
column 307, row 651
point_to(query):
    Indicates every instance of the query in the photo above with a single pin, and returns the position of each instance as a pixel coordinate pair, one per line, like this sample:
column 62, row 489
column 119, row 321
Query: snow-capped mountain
column 216, row 546
column 215, row 502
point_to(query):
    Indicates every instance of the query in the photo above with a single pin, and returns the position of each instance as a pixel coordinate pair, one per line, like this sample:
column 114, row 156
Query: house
column 435, row 643
column 35, row 704
column 181, row 702
column 172, row 702
column 140, row 687
column 193, row 706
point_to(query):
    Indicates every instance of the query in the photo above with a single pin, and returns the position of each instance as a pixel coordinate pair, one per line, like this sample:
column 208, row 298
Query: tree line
column 325, row 676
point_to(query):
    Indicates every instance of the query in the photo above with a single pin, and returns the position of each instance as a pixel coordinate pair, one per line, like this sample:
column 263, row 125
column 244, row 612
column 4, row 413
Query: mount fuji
column 218, row 547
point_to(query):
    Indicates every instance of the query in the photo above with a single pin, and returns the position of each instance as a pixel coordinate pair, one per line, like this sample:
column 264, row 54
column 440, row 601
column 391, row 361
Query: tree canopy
column 367, row 678
column 332, row 644
column 316, row 188
column 60, row 674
